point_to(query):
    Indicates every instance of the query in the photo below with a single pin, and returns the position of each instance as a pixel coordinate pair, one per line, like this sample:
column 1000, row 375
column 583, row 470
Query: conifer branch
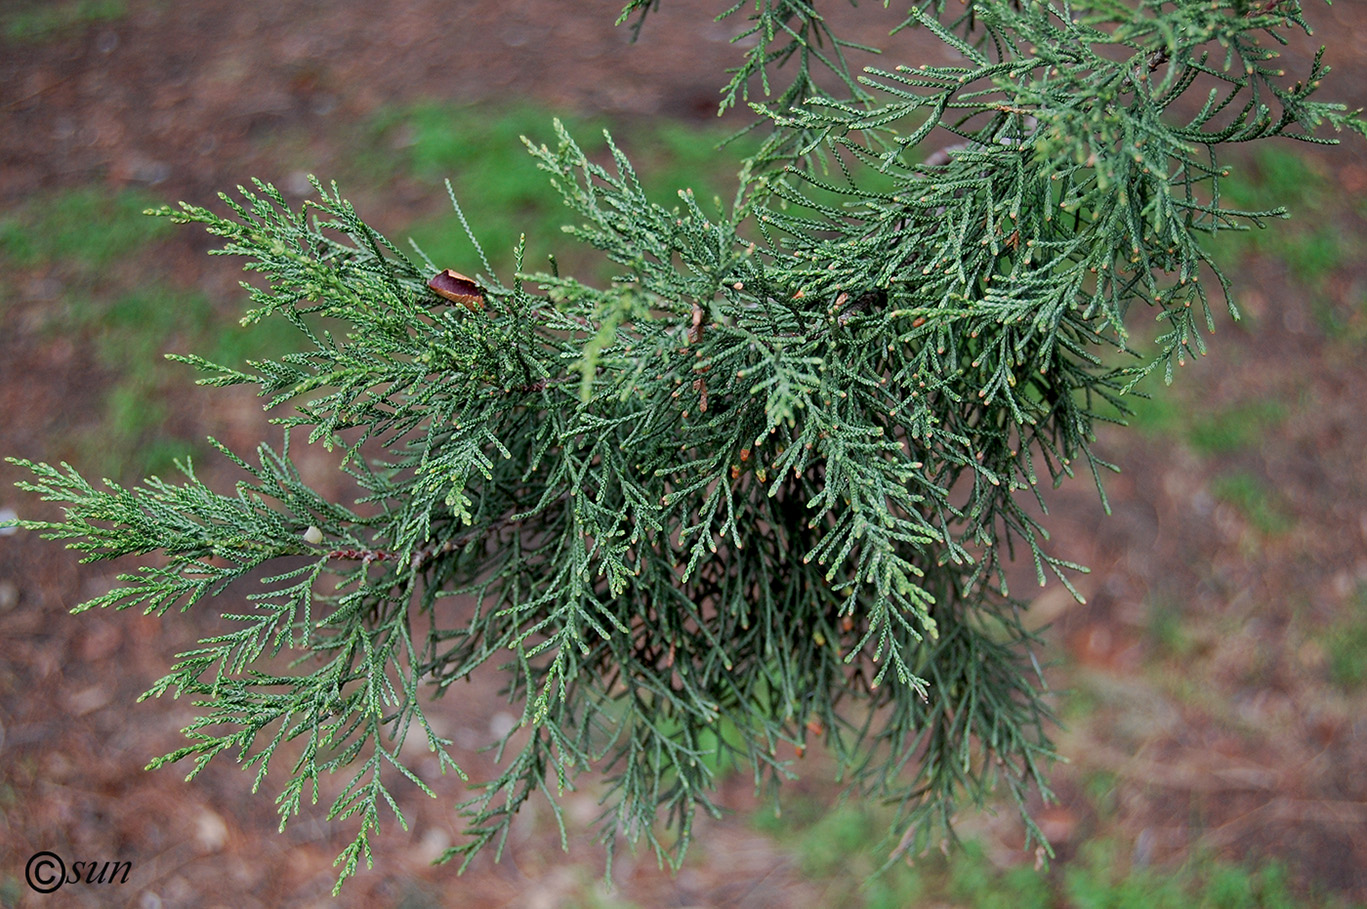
column 760, row 492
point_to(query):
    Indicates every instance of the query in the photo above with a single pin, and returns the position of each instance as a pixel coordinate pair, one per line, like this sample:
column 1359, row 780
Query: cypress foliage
column 758, row 492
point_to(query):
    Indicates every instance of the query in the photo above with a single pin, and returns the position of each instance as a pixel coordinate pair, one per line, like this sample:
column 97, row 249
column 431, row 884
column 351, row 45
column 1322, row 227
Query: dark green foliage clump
column 757, row 493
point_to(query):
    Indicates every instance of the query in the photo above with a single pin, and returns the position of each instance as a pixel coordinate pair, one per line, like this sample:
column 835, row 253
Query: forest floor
column 1213, row 686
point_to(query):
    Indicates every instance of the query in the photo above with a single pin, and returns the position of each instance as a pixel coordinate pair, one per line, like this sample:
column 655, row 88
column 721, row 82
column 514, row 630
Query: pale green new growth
column 757, row 493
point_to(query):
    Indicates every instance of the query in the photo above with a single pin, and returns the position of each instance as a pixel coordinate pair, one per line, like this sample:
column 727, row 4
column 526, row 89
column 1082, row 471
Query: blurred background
column 1213, row 689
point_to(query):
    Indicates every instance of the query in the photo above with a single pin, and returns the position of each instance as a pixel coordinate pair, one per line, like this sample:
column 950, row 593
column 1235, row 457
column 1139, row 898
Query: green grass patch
column 97, row 242
column 1100, row 877
column 1255, row 501
column 497, row 183
column 1168, row 630
column 128, row 331
column 502, row 191
column 432, row 140
column 33, row 23
column 839, row 848
column 130, row 334
column 1346, row 646
column 1314, row 254
column 82, row 231
column 1156, row 413
column 1238, row 428
column 1100, row 788
column 1166, row 413
column 1307, row 245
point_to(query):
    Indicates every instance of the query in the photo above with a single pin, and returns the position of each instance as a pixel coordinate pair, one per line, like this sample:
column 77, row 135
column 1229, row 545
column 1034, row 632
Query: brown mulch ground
column 1241, row 746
